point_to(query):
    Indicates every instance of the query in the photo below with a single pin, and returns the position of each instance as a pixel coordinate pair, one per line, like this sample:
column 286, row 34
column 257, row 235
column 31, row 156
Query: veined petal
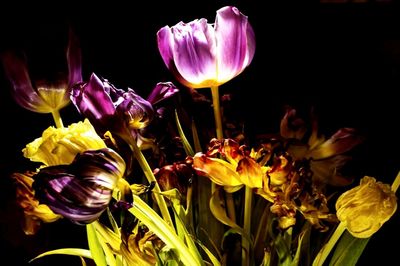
column 219, row 171
column 235, row 43
column 81, row 191
column 193, row 52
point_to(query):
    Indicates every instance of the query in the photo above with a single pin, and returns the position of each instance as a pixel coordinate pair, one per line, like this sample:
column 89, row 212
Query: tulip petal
column 235, row 43
column 250, row 173
column 219, row 171
column 74, row 60
column 161, row 92
column 81, row 191
column 22, row 89
column 342, row 141
column 194, row 52
column 93, row 102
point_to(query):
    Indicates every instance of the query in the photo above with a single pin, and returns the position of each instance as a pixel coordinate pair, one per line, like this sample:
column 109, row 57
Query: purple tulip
column 82, row 190
column 205, row 55
column 43, row 97
column 109, row 108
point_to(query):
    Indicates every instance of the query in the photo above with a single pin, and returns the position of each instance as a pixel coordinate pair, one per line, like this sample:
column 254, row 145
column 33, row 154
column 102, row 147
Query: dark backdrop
column 343, row 61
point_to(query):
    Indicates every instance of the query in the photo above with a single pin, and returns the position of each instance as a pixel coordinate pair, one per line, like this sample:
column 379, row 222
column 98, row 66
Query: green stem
column 247, row 225
column 396, row 183
column 220, row 135
column 57, row 119
column 326, row 249
column 151, row 178
column 217, row 111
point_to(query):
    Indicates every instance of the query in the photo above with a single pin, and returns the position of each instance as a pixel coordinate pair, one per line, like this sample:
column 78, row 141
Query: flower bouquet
column 174, row 178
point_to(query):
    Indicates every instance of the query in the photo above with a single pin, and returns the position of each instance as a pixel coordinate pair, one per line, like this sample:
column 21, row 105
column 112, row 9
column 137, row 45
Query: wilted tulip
column 43, row 97
column 365, row 208
column 109, row 108
column 61, row 145
column 80, row 191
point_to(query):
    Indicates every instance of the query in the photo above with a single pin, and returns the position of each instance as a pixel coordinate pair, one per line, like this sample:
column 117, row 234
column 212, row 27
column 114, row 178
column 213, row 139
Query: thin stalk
column 151, row 179
column 57, row 119
column 396, row 183
column 217, row 111
column 218, row 127
column 326, row 249
column 247, row 225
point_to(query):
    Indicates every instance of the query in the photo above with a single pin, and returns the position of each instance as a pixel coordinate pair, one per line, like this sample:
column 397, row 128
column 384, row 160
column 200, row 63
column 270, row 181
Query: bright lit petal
column 194, row 53
column 220, row 172
column 235, row 43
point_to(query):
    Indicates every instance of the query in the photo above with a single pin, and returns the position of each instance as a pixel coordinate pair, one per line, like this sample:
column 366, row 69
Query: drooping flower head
column 82, row 190
column 61, row 145
column 43, row 97
column 204, row 55
column 367, row 207
column 109, row 108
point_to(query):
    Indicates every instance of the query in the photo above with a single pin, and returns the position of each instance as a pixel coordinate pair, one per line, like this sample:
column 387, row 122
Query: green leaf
column 213, row 259
column 186, row 145
column 296, row 258
column 66, row 251
column 348, row 250
column 95, row 246
column 164, row 231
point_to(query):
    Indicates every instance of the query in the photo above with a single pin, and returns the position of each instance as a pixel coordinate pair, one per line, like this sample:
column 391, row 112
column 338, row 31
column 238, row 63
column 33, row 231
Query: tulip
column 207, row 55
column 365, row 208
column 43, row 97
column 82, row 190
column 61, row 145
column 109, row 108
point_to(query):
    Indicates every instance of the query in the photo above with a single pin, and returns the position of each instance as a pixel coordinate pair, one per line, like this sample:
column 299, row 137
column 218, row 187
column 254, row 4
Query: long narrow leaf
column 165, row 232
column 95, row 246
column 186, row 145
column 348, row 250
column 66, row 251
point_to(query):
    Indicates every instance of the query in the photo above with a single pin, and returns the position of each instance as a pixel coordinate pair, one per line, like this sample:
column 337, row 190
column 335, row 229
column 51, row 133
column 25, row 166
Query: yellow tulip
column 61, row 145
column 365, row 208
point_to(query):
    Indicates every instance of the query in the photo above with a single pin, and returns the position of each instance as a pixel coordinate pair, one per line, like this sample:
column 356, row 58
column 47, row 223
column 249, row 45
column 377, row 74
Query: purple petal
column 92, row 100
column 135, row 110
column 188, row 50
column 235, row 43
column 80, row 191
column 161, row 92
column 22, row 90
column 74, row 60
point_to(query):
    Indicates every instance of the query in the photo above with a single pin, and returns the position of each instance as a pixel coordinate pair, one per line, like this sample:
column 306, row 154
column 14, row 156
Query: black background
column 344, row 61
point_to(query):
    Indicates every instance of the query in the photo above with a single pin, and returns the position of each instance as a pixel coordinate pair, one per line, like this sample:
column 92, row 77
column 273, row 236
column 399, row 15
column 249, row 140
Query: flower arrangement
column 155, row 182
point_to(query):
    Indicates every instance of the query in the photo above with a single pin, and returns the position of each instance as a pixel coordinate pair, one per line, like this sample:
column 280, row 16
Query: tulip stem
column 396, row 183
column 246, row 225
column 220, row 135
column 326, row 249
column 151, row 179
column 57, row 119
